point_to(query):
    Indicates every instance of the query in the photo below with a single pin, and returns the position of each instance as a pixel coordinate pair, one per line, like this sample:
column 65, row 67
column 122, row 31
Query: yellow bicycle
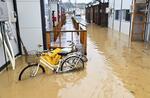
column 52, row 60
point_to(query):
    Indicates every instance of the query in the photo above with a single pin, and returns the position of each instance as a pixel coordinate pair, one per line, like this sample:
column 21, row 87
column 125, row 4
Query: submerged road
column 116, row 69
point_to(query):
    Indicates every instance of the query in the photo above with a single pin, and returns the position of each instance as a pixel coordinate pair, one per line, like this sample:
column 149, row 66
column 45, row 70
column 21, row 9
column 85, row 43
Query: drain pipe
column 120, row 16
column 148, row 25
column 113, row 14
column 130, row 23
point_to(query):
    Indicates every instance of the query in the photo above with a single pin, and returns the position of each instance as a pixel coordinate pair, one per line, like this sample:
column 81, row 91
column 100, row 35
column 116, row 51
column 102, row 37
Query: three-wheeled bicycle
column 53, row 60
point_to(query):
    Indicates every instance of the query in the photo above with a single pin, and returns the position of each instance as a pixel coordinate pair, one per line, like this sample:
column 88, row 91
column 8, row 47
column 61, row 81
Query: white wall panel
column 31, row 37
column 116, row 25
column 29, row 14
column 30, row 23
column 117, row 4
column 110, row 19
column 125, row 26
column 126, row 4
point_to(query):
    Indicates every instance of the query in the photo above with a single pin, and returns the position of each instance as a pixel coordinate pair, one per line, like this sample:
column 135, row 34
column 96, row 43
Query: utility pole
column 75, row 6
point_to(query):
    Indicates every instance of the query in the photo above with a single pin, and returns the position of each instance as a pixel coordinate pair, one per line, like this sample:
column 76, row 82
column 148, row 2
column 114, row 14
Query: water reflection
column 116, row 68
column 129, row 61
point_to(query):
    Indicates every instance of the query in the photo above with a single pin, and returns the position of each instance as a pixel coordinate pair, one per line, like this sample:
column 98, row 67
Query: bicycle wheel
column 31, row 71
column 71, row 63
column 84, row 58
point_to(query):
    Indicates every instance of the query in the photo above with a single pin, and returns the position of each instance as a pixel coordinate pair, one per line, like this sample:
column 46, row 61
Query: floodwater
column 116, row 69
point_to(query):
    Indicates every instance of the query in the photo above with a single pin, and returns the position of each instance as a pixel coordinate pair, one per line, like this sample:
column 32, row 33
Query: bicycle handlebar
column 71, row 43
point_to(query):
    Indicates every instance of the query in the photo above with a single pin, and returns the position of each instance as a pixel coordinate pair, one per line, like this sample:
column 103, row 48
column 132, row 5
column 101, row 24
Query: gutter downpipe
column 120, row 16
column 113, row 14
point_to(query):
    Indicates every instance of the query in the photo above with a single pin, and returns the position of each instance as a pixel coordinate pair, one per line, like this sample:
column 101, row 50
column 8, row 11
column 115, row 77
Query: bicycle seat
column 65, row 51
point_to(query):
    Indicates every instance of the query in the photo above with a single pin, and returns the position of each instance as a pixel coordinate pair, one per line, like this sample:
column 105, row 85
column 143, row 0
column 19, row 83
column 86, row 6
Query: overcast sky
column 78, row 1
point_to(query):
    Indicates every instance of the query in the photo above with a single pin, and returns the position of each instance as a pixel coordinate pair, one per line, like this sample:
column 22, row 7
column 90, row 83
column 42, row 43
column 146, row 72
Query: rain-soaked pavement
column 116, row 69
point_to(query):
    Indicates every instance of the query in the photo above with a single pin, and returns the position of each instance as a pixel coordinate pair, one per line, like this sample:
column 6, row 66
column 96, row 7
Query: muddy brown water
column 116, row 69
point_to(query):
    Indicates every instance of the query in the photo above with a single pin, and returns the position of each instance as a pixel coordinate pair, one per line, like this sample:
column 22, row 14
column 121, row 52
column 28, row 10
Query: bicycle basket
column 32, row 57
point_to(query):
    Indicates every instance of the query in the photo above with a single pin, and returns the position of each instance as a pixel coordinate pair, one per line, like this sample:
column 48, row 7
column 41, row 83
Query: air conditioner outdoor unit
column 3, row 12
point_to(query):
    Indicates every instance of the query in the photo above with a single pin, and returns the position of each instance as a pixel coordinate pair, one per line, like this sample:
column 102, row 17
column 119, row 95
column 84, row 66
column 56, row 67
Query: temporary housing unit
column 130, row 17
column 88, row 13
column 28, row 22
column 119, row 15
column 97, row 12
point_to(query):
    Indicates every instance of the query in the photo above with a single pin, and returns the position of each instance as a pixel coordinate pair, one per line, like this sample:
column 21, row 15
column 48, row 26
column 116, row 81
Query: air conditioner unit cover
column 3, row 11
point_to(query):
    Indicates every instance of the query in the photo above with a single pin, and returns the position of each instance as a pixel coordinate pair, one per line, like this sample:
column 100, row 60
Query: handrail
column 75, row 20
column 82, row 24
column 79, row 29
column 65, row 31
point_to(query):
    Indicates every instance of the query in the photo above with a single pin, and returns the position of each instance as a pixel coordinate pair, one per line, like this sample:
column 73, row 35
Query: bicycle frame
column 47, row 64
column 42, row 61
column 50, row 66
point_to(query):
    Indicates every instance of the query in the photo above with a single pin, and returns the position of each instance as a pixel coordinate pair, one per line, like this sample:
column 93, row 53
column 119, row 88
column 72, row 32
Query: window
column 117, row 15
column 128, row 15
column 123, row 15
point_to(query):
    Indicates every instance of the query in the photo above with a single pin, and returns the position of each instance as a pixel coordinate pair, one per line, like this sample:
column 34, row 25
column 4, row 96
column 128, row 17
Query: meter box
column 3, row 11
